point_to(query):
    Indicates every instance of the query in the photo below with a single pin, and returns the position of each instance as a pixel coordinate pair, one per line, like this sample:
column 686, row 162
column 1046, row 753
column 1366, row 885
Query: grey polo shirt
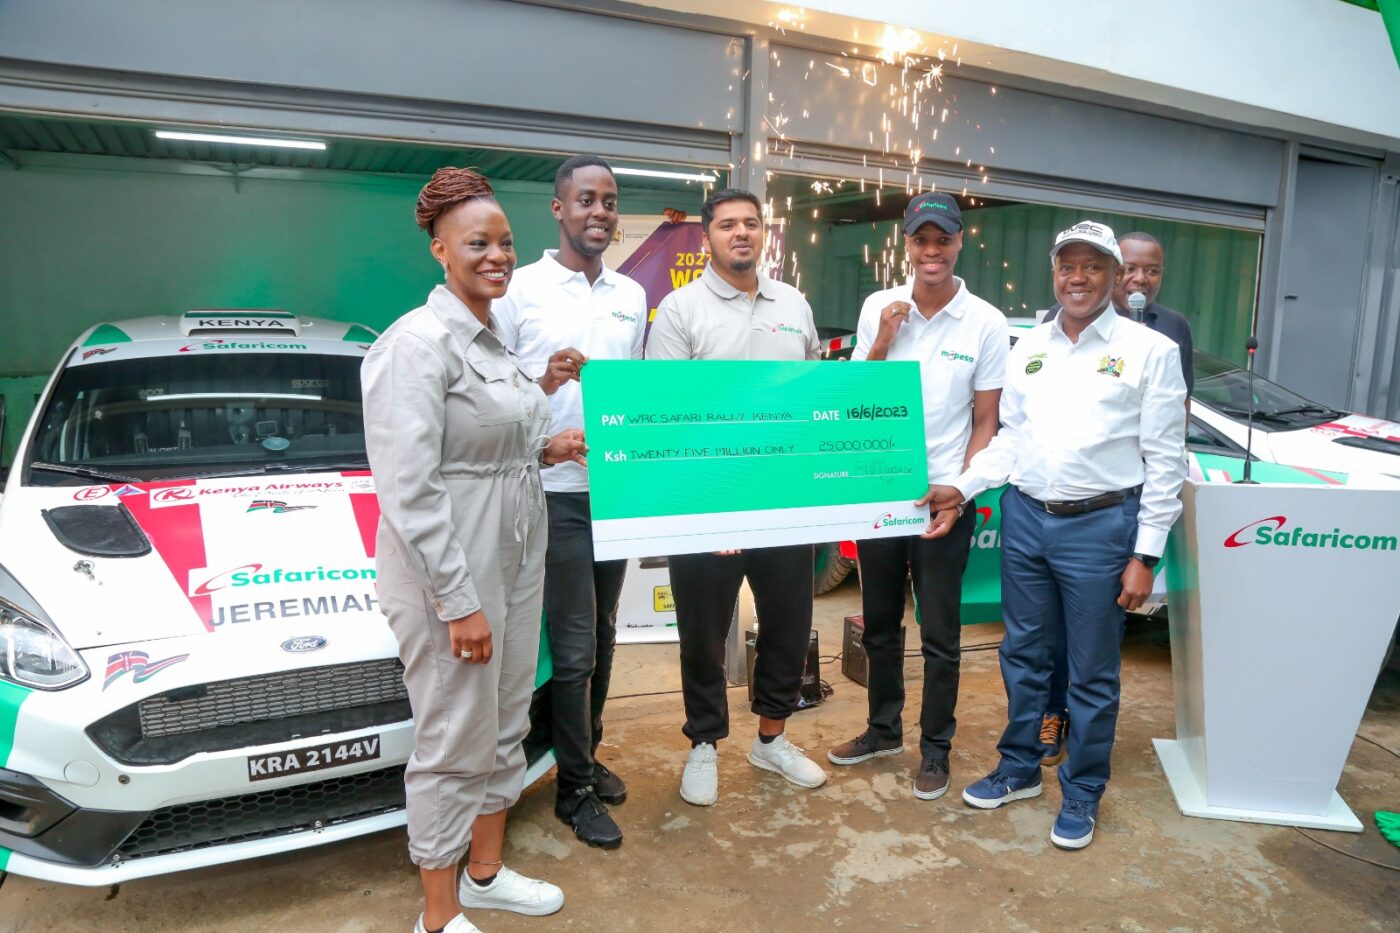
column 709, row 319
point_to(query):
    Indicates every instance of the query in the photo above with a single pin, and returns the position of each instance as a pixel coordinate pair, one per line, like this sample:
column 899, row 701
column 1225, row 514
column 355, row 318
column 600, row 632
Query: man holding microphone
column 1093, row 442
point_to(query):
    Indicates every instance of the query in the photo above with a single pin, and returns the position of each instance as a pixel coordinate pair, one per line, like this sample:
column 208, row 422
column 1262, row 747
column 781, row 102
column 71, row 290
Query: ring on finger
column 467, row 653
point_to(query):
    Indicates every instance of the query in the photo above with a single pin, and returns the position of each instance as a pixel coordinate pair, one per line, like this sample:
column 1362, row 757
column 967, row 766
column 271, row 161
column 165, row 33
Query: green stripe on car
column 106, row 333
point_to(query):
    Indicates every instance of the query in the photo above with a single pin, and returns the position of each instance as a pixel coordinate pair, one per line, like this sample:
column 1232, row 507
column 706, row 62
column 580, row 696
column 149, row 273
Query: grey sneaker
column 932, row 779
column 863, row 748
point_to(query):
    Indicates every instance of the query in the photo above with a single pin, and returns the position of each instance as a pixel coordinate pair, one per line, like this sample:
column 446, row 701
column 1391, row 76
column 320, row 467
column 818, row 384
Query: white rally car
column 193, row 665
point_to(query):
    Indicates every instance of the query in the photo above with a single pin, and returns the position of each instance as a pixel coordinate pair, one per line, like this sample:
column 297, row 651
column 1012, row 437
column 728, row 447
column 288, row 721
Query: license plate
column 313, row 758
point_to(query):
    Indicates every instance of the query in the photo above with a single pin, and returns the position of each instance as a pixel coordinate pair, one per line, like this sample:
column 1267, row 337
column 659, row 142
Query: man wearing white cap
column 1092, row 440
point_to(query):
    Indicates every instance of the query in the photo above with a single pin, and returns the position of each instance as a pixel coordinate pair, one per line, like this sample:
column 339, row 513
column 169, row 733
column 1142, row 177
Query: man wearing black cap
column 959, row 342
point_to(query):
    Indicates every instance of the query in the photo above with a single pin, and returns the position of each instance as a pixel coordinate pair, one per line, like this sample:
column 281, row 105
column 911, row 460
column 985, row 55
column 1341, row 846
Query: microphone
column 1250, row 345
column 1137, row 303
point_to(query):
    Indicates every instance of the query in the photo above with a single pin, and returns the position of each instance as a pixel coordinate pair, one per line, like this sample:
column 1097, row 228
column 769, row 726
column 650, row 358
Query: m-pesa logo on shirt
column 957, row 357
column 625, row 318
column 1269, row 531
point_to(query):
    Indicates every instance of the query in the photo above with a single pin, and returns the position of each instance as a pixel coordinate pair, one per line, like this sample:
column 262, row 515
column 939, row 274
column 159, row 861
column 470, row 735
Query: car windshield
column 1224, row 386
column 163, row 417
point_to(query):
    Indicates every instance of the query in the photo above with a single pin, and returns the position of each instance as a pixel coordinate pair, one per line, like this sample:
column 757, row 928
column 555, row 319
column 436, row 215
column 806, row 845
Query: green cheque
column 706, row 455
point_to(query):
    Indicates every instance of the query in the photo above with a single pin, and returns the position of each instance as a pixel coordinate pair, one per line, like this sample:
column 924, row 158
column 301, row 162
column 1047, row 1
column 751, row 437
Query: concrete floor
column 860, row 853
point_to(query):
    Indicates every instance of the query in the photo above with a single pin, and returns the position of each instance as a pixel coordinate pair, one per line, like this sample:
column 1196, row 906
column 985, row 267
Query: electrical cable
column 1359, row 858
column 1378, row 745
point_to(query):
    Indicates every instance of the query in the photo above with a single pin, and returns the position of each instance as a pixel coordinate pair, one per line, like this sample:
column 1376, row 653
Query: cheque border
column 617, row 538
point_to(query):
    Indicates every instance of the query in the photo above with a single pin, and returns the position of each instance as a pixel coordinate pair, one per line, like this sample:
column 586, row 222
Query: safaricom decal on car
column 1271, row 531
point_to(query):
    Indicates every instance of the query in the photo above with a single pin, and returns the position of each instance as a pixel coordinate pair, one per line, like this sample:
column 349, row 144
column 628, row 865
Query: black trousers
column 936, row 568
column 580, row 612
column 706, row 588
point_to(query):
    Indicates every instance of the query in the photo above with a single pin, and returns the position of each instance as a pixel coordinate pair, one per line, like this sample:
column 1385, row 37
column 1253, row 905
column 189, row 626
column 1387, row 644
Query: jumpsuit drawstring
column 530, row 493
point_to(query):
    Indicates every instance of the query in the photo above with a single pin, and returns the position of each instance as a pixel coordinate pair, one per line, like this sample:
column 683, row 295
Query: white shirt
column 709, row 319
column 1082, row 419
column 548, row 308
column 960, row 350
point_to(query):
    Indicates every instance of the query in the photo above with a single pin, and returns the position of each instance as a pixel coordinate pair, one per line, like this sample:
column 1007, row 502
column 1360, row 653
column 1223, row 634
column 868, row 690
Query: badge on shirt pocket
column 1035, row 364
column 1111, row 366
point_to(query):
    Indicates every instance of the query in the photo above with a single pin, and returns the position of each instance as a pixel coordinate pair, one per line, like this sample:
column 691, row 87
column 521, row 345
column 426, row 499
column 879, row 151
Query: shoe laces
column 1050, row 729
column 702, row 757
column 929, row 765
column 1083, row 809
column 785, row 749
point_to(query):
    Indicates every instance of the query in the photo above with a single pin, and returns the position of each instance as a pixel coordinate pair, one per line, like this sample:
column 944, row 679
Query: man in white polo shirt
column 959, row 342
column 559, row 313
column 1093, row 441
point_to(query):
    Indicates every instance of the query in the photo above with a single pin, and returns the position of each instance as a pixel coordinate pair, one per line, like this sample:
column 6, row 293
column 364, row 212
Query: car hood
column 188, row 556
column 1351, row 444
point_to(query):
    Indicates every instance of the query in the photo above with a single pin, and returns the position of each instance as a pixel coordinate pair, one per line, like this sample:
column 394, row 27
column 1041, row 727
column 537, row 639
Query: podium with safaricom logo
column 1283, row 599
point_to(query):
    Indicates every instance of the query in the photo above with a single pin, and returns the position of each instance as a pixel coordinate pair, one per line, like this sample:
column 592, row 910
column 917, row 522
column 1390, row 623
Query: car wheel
column 829, row 568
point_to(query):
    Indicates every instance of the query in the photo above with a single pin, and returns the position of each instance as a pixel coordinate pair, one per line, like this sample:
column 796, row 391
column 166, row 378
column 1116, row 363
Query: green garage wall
column 88, row 238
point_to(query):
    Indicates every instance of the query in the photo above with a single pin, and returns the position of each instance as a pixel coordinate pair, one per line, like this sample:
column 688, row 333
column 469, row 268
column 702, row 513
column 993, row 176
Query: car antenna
column 1250, row 346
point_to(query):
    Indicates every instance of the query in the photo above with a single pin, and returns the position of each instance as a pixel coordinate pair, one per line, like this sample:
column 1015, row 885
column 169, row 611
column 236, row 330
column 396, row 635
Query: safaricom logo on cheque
column 1271, row 531
column 889, row 521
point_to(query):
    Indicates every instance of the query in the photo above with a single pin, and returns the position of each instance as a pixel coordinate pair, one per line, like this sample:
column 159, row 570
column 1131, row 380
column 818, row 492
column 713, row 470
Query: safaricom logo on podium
column 1271, row 531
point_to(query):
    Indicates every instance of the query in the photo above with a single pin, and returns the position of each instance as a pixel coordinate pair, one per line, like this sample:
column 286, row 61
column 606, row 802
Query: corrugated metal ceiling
column 28, row 134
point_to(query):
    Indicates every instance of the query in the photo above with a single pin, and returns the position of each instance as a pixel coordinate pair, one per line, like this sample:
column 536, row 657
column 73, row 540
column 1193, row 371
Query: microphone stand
column 1250, row 346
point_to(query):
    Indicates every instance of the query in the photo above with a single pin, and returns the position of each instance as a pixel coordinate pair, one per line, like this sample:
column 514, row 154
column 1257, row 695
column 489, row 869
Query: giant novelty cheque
column 687, row 456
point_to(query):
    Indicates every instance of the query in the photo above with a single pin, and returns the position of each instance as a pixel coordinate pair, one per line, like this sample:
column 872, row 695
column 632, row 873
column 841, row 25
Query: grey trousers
column 469, row 720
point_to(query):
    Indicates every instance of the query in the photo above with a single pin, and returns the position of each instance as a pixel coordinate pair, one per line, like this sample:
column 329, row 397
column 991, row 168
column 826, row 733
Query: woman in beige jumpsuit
column 456, row 436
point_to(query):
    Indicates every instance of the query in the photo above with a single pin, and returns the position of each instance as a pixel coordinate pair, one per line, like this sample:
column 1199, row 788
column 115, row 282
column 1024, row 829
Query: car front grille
column 300, row 808
column 251, row 711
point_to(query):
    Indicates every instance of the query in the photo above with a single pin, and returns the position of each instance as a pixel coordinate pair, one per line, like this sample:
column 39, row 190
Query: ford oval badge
column 304, row 643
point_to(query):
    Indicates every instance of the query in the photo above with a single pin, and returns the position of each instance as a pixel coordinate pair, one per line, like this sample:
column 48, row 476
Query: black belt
column 1080, row 506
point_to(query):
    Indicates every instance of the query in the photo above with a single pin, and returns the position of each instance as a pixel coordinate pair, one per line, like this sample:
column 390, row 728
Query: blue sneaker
column 1074, row 827
column 998, row 788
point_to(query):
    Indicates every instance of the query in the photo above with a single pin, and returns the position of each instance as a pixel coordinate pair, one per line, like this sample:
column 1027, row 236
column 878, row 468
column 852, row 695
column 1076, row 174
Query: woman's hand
column 563, row 365
column 471, row 638
column 566, row 445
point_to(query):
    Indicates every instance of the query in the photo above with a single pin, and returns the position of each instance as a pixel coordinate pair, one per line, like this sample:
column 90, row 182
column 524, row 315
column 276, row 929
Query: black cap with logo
column 935, row 208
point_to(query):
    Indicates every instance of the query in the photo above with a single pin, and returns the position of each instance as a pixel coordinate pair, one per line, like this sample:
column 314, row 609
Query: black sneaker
column 588, row 818
column 607, row 785
column 862, row 748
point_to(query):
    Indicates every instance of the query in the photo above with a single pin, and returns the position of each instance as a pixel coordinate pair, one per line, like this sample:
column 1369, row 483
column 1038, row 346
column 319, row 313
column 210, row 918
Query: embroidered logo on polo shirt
column 957, row 357
column 784, row 329
column 1111, row 366
column 627, row 318
column 1033, row 367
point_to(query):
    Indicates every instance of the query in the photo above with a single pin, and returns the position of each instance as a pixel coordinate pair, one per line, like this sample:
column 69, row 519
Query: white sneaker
column 700, row 781
column 511, row 891
column 457, row 924
column 784, row 758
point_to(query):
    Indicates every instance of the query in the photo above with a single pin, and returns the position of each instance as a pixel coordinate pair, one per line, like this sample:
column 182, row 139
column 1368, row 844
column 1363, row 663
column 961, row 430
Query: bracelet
column 962, row 507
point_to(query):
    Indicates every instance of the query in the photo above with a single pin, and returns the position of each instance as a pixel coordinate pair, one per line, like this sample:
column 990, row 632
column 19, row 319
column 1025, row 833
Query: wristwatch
column 1148, row 560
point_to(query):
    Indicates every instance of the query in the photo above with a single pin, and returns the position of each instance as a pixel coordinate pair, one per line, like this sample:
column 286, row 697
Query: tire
column 829, row 568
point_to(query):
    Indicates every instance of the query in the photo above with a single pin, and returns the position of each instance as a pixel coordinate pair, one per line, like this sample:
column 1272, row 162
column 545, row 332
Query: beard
column 741, row 265
column 585, row 248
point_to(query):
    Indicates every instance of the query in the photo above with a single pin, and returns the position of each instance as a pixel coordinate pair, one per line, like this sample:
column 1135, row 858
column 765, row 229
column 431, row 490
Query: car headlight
column 34, row 655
